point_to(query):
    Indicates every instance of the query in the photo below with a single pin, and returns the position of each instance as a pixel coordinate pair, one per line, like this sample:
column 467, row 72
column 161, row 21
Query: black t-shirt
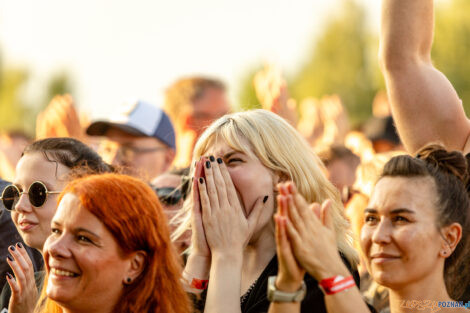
column 10, row 236
column 257, row 300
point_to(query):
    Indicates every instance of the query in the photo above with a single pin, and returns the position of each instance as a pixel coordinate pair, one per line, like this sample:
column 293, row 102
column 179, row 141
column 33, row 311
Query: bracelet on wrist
column 336, row 284
column 195, row 285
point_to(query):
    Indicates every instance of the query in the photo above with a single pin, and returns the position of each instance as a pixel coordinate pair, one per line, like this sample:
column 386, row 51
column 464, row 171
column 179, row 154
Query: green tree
column 247, row 95
column 451, row 48
column 342, row 62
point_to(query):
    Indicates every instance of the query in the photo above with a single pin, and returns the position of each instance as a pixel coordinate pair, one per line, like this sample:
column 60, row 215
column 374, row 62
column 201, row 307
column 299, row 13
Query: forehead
column 119, row 137
column 220, row 147
column 70, row 211
column 417, row 194
column 34, row 166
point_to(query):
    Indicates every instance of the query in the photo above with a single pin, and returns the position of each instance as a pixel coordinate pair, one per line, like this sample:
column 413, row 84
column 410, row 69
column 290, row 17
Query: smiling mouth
column 64, row 273
column 24, row 226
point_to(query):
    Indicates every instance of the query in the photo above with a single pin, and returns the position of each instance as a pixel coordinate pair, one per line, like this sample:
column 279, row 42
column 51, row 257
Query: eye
column 371, row 219
column 55, row 231
column 234, row 160
column 83, row 239
column 400, row 219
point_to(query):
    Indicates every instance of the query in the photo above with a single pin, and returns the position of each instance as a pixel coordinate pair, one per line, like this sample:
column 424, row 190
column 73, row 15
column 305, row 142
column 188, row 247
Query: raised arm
column 425, row 106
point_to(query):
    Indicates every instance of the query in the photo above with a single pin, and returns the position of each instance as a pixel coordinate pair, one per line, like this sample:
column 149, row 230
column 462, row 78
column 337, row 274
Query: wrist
column 286, row 285
column 198, row 266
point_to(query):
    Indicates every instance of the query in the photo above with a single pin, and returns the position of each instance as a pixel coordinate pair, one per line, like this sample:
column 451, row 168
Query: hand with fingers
column 227, row 228
column 290, row 273
column 311, row 234
column 24, row 293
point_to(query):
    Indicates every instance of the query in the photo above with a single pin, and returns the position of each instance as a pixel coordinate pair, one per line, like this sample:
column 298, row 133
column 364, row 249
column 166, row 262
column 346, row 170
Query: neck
column 259, row 251
column 431, row 288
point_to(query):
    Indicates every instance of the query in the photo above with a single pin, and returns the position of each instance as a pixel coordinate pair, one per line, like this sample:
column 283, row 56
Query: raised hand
column 198, row 237
column 311, row 234
column 59, row 119
column 227, row 228
column 290, row 274
column 24, row 293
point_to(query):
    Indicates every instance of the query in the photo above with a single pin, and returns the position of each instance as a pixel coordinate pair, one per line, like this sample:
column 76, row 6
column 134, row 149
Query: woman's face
column 34, row 224
column 251, row 179
column 399, row 238
column 85, row 263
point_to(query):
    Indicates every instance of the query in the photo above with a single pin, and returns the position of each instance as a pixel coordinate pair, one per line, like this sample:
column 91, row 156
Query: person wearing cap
column 139, row 139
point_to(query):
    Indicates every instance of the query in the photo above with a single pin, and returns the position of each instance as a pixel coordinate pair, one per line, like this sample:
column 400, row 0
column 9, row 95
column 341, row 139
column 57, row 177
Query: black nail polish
column 219, row 160
column 19, row 245
column 265, row 199
column 9, row 257
column 212, row 158
column 208, row 164
column 201, row 180
column 12, row 248
column 9, row 275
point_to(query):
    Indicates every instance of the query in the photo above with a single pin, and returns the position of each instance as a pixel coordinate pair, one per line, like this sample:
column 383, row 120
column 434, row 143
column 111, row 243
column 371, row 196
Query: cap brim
column 99, row 128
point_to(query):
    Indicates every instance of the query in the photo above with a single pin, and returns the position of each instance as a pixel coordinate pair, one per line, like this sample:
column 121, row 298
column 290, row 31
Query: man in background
column 139, row 139
column 193, row 103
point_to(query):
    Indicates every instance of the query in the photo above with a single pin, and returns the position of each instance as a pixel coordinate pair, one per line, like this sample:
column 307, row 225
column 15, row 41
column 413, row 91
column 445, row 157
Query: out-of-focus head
column 341, row 164
column 417, row 221
column 261, row 149
column 195, row 102
column 12, row 145
column 48, row 161
column 139, row 138
column 110, row 250
column 172, row 188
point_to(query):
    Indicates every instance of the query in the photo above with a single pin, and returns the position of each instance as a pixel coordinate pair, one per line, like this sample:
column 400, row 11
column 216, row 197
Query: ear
column 136, row 265
column 280, row 177
column 451, row 235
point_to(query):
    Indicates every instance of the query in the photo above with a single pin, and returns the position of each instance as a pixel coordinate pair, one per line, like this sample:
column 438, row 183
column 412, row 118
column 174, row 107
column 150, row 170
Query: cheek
column 251, row 185
column 14, row 217
column 365, row 239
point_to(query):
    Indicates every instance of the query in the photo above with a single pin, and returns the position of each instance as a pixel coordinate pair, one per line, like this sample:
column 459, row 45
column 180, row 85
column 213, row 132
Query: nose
column 382, row 233
column 58, row 246
column 23, row 205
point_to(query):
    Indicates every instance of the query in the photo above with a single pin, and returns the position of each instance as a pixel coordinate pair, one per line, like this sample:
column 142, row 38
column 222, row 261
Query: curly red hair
column 130, row 210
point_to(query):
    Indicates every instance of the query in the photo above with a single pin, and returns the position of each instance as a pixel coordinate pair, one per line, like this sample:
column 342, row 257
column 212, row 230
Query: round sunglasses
column 37, row 194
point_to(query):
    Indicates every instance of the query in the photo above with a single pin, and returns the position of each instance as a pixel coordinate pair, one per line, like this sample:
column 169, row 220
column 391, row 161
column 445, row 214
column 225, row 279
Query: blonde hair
column 280, row 148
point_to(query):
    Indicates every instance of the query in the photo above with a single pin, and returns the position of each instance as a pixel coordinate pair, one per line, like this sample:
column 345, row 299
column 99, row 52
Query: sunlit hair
column 280, row 148
column 130, row 210
column 450, row 173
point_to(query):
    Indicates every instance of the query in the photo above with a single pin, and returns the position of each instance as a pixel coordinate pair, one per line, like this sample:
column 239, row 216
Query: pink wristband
column 336, row 284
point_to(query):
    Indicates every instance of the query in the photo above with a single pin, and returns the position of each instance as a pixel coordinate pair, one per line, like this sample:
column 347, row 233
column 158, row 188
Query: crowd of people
column 194, row 208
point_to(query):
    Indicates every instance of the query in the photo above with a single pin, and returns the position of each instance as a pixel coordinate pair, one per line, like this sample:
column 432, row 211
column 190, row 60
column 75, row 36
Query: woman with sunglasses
column 415, row 238
column 41, row 174
column 240, row 159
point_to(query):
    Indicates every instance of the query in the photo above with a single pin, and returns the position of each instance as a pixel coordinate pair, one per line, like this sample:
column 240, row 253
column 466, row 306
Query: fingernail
column 208, row 164
column 201, row 180
column 219, row 160
column 9, row 275
column 19, row 245
column 212, row 158
column 12, row 248
column 265, row 199
column 10, row 258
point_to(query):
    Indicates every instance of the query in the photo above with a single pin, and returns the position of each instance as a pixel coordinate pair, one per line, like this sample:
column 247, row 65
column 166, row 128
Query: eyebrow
column 79, row 229
column 395, row 211
column 229, row 154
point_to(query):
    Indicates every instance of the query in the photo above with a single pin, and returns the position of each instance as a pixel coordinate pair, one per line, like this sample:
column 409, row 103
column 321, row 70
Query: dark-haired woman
column 41, row 173
column 415, row 239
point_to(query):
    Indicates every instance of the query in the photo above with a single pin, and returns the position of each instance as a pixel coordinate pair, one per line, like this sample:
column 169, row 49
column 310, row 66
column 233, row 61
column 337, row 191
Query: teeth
column 62, row 273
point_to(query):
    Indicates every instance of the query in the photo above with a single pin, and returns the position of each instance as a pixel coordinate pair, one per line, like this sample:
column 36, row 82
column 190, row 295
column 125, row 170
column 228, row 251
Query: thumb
column 325, row 215
column 256, row 212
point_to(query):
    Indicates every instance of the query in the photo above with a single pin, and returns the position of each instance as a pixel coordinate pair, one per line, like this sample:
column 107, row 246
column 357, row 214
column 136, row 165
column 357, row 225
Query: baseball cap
column 381, row 128
column 138, row 118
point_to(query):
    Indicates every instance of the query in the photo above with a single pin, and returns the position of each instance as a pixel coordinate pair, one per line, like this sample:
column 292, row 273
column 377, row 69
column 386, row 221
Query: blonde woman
column 237, row 163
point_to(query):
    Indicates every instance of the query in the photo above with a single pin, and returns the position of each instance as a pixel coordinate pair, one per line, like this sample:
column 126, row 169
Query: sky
column 115, row 50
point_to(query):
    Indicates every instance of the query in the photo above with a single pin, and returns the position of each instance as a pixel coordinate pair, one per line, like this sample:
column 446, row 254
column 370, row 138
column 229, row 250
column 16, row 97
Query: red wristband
column 336, row 284
column 200, row 284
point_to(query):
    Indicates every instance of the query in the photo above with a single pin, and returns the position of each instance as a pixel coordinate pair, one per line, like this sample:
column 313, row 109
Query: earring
column 128, row 280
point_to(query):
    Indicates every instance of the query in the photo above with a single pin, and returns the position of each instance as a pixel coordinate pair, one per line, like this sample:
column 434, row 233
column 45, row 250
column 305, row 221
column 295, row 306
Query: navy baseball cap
column 138, row 118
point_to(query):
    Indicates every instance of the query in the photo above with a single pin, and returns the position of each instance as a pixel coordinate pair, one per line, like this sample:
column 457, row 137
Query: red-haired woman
column 110, row 251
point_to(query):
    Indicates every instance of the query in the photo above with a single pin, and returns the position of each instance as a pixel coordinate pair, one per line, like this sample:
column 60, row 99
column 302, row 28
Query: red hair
column 131, row 211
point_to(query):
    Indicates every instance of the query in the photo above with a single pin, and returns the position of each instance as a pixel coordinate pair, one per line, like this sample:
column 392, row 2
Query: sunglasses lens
column 168, row 195
column 37, row 194
column 10, row 197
